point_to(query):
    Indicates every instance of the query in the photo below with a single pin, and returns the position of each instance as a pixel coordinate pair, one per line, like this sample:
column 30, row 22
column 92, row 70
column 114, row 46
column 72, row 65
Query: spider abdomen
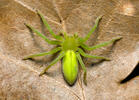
column 70, row 67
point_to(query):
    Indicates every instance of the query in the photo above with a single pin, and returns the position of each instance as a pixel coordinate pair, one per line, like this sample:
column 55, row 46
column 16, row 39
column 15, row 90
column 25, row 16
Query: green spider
column 71, row 50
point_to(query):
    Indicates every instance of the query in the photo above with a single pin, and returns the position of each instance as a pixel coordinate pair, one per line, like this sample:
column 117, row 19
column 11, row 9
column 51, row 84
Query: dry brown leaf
column 19, row 79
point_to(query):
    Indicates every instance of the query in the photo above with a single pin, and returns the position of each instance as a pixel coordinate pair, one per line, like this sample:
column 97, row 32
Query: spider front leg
column 91, row 31
column 53, row 62
column 48, row 27
column 100, row 45
column 42, row 36
column 83, row 67
column 91, row 56
column 43, row 54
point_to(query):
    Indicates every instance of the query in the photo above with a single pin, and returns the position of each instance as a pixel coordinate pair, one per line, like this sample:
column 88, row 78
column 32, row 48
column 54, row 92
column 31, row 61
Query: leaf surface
column 20, row 79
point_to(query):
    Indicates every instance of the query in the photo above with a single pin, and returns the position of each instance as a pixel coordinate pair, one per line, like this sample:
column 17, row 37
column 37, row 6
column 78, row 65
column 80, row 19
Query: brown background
column 19, row 79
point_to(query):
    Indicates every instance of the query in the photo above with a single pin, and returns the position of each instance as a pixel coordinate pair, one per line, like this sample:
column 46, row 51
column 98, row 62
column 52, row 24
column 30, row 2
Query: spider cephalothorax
column 70, row 43
column 71, row 49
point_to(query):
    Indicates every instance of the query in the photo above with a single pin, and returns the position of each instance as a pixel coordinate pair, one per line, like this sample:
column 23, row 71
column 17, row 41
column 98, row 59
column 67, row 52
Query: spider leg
column 48, row 27
column 83, row 67
column 92, row 30
column 91, row 56
column 53, row 62
column 99, row 45
column 41, row 35
column 44, row 53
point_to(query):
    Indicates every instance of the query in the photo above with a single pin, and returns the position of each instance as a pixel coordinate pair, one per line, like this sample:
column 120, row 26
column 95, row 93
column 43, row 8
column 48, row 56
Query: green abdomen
column 70, row 67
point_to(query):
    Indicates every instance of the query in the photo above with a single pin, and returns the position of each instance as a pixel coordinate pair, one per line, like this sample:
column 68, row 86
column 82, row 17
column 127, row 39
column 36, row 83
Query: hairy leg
column 100, row 45
column 91, row 56
column 53, row 62
column 83, row 67
column 44, row 53
column 48, row 27
column 92, row 30
column 41, row 35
